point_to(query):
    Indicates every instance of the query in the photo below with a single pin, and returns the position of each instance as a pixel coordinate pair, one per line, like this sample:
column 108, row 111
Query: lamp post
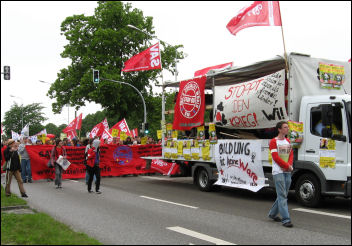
column 21, row 107
column 140, row 94
column 68, row 105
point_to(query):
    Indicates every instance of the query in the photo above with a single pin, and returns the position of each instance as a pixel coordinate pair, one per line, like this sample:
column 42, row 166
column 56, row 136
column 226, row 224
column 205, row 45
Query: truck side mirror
column 341, row 138
column 327, row 114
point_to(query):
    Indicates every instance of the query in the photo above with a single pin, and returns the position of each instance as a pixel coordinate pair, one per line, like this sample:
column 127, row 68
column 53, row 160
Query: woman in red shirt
column 55, row 154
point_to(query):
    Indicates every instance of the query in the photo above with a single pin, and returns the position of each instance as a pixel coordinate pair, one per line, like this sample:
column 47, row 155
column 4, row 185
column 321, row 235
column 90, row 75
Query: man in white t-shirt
column 282, row 156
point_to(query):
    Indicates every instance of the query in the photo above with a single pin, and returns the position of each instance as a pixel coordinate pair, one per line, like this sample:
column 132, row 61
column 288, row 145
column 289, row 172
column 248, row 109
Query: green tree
column 52, row 129
column 104, row 42
column 32, row 115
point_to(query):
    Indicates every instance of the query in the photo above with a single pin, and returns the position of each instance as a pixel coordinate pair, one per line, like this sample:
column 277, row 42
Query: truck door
column 314, row 130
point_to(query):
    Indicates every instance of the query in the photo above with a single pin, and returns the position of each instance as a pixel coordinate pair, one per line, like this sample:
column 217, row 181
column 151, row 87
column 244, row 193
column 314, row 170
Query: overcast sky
column 31, row 42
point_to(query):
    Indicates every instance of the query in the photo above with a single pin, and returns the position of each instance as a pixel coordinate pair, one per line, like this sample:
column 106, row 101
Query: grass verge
column 38, row 228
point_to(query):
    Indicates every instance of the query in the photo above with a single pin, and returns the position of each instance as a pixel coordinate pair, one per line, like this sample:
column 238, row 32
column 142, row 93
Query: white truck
column 307, row 101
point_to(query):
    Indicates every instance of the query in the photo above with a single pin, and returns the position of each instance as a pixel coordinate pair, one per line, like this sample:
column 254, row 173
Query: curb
column 14, row 207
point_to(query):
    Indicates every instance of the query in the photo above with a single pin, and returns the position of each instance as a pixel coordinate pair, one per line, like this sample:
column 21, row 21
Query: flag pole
column 283, row 39
column 163, row 123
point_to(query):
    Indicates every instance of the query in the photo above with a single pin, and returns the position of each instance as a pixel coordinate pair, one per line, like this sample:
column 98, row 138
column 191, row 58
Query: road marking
column 199, row 235
column 178, row 179
column 322, row 213
column 174, row 203
column 74, row 180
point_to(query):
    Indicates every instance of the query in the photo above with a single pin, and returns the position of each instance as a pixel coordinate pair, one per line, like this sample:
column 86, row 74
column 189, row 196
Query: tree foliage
column 32, row 115
column 104, row 42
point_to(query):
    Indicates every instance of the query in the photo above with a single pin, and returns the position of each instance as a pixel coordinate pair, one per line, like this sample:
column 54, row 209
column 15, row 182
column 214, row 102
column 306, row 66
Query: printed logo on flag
column 123, row 155
column 190, row 100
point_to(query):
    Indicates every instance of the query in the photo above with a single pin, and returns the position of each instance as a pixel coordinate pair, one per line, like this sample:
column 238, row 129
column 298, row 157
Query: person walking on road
column 14, row 168
column 93, row 160
column 25, row 161
column 282, row 156
column 58, row 150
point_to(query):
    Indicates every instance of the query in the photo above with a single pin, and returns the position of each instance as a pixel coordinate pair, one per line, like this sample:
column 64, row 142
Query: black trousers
column 93, row 170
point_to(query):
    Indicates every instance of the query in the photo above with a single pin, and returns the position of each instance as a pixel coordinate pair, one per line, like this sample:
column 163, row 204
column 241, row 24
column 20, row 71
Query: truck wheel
column 203, row 181
column 308, row 190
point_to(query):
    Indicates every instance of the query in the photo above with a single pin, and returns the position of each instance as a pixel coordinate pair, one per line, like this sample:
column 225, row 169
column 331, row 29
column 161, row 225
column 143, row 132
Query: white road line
column 174, row 203
column 199, row 235
column 321, row 213
column 74, row 180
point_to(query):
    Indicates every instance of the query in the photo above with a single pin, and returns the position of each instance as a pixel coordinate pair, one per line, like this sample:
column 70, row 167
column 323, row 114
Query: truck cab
column 324, row 117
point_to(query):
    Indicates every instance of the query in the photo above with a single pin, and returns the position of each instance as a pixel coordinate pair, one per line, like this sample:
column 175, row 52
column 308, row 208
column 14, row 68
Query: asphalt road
column 162, row 210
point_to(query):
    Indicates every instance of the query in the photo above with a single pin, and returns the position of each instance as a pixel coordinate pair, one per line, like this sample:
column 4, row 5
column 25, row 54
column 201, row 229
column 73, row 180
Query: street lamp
column 21, row 107
column 68, row 105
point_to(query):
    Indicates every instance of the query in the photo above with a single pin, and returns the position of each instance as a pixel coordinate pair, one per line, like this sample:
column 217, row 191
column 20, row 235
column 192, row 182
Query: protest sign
column 239, row 164
column 254, row 104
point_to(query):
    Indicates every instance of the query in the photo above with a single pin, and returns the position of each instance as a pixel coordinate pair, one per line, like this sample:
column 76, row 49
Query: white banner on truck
column 253, row 104
column 239, row 164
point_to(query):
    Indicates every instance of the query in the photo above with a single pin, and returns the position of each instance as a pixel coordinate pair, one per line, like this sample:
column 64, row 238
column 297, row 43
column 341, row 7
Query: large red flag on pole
column 190, row 104
column 146, row 60
column 260, row 13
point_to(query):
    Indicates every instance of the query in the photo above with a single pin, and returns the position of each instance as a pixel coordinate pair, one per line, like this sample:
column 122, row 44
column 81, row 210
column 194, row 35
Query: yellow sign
column 159, row 133
column 123, row 136
column 206, row 151
column 212, row 134
column 327, row 153
column 144, row 140
column 115, row 133
column 179, row 148
column 174, row 134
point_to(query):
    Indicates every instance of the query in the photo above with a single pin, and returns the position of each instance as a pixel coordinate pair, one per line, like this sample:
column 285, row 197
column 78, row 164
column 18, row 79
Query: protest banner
column 114, row 160
column 254, row 104
column 239, row 164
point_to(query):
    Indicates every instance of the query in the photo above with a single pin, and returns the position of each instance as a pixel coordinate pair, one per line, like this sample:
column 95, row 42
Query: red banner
column 165, row 168
column 190, row 104
column 146, row 60
column 260, row 13
column 114, row 160
column 217, row 67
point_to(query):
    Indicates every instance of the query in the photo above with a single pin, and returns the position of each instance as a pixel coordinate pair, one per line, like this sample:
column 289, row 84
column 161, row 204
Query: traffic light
column 95, row 76
column 141, row 128
column 6, row 72
column 146, row 129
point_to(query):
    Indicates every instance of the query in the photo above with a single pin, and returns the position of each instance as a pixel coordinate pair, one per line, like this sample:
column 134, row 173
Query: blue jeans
column 26, row 169
column 282, row 184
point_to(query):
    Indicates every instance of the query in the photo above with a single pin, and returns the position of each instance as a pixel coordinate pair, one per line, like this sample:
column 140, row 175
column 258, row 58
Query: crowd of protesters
column 21, row 164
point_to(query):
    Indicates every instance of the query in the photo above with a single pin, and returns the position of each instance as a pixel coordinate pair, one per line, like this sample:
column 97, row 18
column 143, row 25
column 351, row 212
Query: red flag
column 260, row 13
column 106, row 135
column 79, row 122
column 122, row 126
column 71, row 134
column 205, row 70
column 190, row 104
column 146, row 60
column 98, row 130
column 74, row 125
column 135, row 132
column 163, row 167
